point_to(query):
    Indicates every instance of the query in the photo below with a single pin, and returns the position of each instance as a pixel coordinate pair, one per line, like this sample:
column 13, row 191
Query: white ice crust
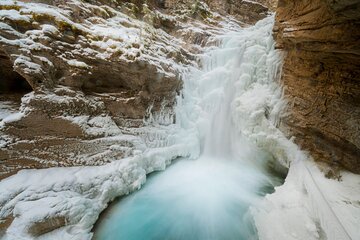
column 307, row 206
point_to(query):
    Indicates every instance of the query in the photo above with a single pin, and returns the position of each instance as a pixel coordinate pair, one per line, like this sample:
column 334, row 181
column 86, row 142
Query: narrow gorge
column 182, row 120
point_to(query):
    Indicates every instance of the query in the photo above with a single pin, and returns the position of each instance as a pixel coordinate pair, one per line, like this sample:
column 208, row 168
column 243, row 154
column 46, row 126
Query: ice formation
column 249, row 65
column 209, row 198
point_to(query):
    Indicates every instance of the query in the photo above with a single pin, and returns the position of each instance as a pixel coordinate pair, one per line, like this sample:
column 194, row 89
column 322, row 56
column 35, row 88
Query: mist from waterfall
column 226, row 110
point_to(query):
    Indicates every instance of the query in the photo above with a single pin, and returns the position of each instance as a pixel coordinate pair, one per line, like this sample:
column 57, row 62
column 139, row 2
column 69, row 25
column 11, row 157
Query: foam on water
column 227, row 108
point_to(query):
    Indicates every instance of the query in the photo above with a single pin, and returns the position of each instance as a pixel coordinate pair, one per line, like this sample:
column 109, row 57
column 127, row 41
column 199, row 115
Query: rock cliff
column 101, row 79
column 83, row 60
column 97, row 68
column 321, row 76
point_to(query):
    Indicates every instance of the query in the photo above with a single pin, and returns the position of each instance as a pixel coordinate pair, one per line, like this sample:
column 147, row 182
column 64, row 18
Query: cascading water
column 227, row 109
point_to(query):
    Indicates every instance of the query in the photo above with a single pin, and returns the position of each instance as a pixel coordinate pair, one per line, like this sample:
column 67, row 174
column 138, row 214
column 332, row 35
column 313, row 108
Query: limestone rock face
column 93, row 64
column 98, row 69
column 245, row 11
column 79, row 45
column 100, row 79
column 89, row 63
column 321, row 76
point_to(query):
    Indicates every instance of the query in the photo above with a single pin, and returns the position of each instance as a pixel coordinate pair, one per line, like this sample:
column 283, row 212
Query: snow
column 9, row 112
column 297, row 210
column 76, row 63
column 50, row 29
column 13, row 15
column 310, row 206
column 9, row 29
column 6, row 109
column 253, row 2
column 95, row 126
column 79, row 193
column 29, row 67
column 12, row 118
column 57, row 98
column 124, row 34
column 44, row 60
column 127, row 38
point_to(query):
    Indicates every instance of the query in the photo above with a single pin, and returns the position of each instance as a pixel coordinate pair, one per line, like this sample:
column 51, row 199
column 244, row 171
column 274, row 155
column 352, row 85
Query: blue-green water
column 205, row 199
column 228, row 107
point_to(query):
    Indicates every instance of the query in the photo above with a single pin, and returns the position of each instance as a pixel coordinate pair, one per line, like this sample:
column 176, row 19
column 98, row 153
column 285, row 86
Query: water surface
column 228, row 107
column 192, row 200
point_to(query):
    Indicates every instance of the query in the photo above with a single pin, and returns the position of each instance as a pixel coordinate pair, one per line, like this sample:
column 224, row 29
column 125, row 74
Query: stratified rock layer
column 98, row 69
column 93, row 66
column 321, row 76
column 243, row 10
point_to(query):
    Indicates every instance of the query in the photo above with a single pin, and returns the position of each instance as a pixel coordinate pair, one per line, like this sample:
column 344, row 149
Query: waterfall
column 234, row 101
column 226, row 112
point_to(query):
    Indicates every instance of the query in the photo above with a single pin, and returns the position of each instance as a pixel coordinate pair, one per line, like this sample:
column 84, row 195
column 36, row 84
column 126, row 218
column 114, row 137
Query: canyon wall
column 248, row 12
column 321, row 76
column 98, row 69
column 72, row 54
column 94, row 67
column 101, row 78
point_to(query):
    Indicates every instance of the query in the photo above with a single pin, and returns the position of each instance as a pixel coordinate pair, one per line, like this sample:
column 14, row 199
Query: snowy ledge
column 77, row 194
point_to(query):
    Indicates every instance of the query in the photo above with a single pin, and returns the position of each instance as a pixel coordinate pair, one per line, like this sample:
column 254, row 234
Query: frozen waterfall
column 226, row 110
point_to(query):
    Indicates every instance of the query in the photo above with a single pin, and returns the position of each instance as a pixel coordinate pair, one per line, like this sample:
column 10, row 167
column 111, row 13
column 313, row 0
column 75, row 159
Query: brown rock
column 75, row 77
column 72, row 75
column 4, row 224
column 321, row 77
column 246, row 11
column 47, row 225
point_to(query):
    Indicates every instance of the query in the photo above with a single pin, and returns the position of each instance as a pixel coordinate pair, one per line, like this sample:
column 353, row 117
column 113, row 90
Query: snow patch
column 14, row 15
column 76, row 63
column 28, row 66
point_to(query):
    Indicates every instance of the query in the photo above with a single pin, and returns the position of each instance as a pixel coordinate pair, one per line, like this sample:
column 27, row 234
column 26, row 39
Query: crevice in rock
column 11, row 81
